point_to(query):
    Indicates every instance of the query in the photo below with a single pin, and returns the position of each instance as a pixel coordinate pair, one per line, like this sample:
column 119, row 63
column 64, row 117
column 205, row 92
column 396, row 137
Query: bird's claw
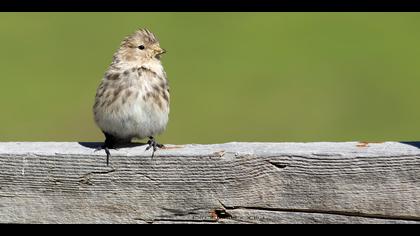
column 153, row 144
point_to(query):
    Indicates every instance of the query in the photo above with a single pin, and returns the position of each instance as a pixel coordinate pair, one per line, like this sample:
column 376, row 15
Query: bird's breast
column 134, row 105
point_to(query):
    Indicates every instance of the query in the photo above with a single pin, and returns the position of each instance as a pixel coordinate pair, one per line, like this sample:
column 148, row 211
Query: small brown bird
column 132, row 100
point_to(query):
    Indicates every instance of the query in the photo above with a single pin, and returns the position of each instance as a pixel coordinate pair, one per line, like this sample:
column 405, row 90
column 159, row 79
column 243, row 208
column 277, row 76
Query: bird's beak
column 159, row 50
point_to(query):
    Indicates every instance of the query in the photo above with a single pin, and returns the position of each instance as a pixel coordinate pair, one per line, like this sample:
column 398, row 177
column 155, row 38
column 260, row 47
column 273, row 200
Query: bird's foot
column 106, row 148
column 153, row 144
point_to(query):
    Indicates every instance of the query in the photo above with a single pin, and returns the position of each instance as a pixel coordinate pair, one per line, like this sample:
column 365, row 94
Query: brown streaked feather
column 156, row 88
column 165, row 96
column 113, row 76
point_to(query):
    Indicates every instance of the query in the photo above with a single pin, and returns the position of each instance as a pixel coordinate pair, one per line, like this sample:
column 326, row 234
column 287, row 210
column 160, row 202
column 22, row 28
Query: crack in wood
column 179, row 220
column 329, row 212
column 222, row 214
column 278, row 165
column 149, row 178
column 86, row 178
column 177, row 212
column 176, row 220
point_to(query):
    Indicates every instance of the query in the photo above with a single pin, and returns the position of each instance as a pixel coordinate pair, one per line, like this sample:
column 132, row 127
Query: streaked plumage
column 132, row 100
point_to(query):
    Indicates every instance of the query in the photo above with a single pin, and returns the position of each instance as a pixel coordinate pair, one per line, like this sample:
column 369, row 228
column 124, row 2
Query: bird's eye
column 141, row 47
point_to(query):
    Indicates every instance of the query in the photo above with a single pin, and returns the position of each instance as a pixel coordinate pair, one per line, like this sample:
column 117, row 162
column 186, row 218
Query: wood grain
column 220, row 183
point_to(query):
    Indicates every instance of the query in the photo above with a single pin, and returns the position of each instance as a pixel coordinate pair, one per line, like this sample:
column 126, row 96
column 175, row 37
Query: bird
column 132, row 99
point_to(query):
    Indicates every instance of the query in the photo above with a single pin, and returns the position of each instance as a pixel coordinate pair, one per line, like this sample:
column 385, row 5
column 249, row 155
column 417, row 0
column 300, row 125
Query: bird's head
column 142, row 46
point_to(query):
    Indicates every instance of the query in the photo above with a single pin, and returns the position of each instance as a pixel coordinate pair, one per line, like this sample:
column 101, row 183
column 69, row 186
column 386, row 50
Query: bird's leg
column 153, row 144
column 110, row 142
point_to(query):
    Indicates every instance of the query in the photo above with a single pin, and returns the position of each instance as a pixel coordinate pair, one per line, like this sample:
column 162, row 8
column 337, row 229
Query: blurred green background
column 233, row 76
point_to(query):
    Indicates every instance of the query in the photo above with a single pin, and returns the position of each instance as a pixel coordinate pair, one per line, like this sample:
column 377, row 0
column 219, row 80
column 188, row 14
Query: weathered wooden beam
column 222, row 183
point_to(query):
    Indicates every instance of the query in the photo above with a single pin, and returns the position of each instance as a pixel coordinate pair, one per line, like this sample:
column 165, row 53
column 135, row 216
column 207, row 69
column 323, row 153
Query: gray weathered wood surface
column 222, row 183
